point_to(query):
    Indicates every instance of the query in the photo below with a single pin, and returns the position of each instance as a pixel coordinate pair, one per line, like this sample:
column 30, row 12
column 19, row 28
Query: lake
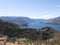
column 37, row 25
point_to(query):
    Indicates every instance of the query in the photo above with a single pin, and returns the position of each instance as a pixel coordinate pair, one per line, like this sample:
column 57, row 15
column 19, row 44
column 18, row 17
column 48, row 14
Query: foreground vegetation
column 14, row 34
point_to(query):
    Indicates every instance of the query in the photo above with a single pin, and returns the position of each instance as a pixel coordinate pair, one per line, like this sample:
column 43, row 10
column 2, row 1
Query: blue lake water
column 34, row 25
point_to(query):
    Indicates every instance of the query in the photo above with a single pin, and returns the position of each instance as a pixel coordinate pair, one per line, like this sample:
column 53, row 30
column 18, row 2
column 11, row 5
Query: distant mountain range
column 25, row 21
column 54, row 20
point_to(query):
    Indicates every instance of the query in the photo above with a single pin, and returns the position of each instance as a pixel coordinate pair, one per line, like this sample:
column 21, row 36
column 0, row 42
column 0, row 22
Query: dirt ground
column 9, row 43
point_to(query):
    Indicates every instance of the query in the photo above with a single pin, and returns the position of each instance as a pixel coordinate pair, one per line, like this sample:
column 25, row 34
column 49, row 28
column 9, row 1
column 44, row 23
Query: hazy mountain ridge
column 54, row 20
column 22, row 20
column 16, row 20
column 25, row 21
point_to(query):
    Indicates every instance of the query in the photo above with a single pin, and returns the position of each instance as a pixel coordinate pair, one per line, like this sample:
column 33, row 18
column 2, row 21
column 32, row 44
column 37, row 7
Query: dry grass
column 9, row 43
column 12, row 43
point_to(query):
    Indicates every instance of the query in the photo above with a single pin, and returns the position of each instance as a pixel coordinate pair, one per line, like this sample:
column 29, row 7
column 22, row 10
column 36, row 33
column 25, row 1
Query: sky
column 36, row 9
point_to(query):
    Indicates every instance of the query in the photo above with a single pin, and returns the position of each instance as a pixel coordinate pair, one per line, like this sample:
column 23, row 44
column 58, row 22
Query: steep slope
column 7, row 24
column 7, row 28
column 17, row 20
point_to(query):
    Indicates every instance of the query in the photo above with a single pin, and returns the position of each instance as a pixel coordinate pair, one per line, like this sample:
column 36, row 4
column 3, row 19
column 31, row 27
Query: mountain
column 4, row 24
column 6, row 27
column 23, row 21
column 54, row 20
column 28, row 22
column 39, row 20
